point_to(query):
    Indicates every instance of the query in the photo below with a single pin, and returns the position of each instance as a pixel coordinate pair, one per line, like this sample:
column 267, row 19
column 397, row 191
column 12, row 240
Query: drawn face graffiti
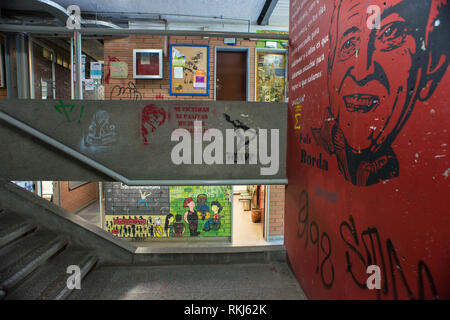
column 102, row 131
column 152, row 118
column 375, row 76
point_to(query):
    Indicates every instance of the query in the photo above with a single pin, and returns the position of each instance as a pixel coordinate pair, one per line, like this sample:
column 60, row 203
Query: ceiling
column 236, row 9
column 178, row 14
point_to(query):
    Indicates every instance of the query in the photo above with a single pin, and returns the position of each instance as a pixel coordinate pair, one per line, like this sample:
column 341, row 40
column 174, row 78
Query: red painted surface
column 367, row 149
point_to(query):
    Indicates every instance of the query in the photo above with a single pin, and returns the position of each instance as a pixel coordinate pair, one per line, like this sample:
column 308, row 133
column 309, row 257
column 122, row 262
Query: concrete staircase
column 39, row 240
column 34, row 260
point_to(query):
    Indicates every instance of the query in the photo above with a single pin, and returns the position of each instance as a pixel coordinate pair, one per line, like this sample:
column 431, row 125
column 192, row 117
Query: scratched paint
column 367, row 159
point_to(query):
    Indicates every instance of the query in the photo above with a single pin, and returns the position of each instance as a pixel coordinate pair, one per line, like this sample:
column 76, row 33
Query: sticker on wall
column 96, row 70
column 119, row 70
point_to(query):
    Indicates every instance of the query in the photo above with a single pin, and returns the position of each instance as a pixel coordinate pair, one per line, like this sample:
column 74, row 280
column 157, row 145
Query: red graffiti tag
column 152, row 118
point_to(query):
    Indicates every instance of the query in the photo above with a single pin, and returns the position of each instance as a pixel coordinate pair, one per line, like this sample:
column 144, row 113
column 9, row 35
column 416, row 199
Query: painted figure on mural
column 102, row 131
column 191, row 216
column 143, row 199
column 216, row 220
column 152, row 118
column 178, row 226
column 375, row 76
column 158, row 230
column 168, row 225
column 202, row 208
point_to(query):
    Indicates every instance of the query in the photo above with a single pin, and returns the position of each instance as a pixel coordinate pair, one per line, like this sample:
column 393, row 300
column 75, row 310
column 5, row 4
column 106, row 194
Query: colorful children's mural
column 205, row 211
column 138, row 214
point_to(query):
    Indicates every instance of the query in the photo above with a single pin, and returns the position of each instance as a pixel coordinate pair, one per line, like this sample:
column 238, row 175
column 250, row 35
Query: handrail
column 118, row 177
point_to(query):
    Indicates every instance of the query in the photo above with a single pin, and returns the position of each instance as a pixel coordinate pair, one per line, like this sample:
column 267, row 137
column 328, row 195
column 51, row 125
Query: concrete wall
column 367, row 156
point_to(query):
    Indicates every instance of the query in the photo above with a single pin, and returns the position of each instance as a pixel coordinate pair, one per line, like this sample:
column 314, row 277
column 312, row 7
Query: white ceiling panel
column 236, row 9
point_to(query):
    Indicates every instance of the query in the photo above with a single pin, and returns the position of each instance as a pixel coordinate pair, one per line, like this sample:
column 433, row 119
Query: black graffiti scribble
column 367, row 249
column 130, row 92
column 305, row 229
column 237, row 124
column 369, row 101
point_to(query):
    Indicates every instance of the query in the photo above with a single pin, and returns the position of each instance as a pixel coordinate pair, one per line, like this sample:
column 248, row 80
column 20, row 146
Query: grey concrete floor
column 91, row 213
column 256, row 281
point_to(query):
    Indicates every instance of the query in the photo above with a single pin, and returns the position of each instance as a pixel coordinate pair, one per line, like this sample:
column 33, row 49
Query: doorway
column 231, row 76
column 249, row 215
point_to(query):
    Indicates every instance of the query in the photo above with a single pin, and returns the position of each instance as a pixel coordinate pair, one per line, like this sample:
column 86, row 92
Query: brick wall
column 276, row 210
column 122, row 49
column 120, row 199
column 75, row 199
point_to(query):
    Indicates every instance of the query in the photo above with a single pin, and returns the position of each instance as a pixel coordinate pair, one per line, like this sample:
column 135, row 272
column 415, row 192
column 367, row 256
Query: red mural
column 367, row 148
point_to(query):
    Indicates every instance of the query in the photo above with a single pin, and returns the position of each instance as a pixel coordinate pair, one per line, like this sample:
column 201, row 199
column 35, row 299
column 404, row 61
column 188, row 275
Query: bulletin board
column 189, row 70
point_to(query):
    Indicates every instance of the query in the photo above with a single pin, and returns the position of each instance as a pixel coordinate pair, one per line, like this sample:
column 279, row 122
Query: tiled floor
column 245, row 232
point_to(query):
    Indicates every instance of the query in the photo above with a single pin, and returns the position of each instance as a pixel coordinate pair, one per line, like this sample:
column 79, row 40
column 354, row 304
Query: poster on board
column 189, row 70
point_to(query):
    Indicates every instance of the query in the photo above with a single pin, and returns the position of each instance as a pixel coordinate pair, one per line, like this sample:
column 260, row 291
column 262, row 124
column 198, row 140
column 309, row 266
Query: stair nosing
column 87, row 265
column 53, row 247
column 16, row 233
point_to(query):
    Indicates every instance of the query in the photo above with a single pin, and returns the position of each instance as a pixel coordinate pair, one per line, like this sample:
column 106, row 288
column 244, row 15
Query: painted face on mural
column 371, row 71
column 376, row 73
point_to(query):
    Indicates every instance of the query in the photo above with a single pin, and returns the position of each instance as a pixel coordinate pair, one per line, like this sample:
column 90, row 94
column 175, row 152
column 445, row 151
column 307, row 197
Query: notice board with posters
column 189, row 70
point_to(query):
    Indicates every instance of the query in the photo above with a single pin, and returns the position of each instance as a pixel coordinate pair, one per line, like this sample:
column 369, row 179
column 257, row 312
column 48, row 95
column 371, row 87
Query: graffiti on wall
column 128, row 92
column 67, row 111
column 152, row 118
column 367, row 94
column 102, row 130
column 367, row 143
column 362, row 249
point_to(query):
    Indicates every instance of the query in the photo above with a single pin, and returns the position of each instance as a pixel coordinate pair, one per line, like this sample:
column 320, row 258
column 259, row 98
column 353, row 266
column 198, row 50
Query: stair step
column 12, row 227
column 50, row 280
column 60, row 293
column 12, row 252
column 22, row 261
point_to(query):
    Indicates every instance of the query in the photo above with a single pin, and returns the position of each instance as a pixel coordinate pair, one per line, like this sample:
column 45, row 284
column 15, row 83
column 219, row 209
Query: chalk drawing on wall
column 102, row 131
column 373, row 85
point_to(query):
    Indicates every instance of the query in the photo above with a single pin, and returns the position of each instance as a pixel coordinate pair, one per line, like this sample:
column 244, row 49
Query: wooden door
column 231, row 76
